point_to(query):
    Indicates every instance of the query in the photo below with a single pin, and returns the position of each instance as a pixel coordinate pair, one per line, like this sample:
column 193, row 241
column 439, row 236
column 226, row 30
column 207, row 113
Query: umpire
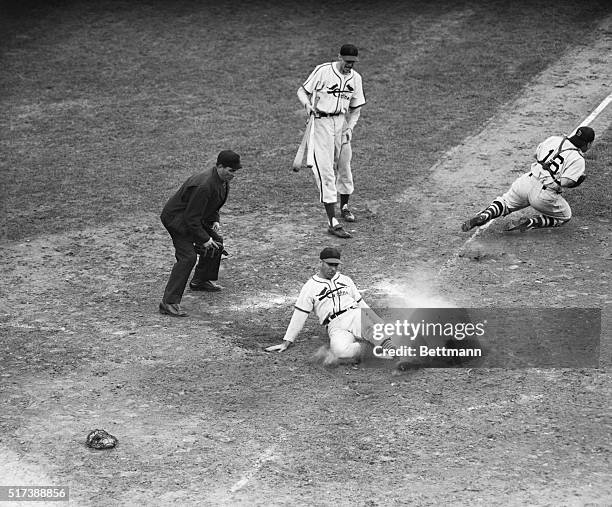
column 191, row 217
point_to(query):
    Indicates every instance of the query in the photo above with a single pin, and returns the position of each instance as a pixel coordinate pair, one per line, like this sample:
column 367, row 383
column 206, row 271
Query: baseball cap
column 349, row 53
column 586, row 134
column 228, row 158
column 330, row 255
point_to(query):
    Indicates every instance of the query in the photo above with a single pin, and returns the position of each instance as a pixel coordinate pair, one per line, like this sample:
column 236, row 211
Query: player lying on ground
column 559, row 164
column 338, row 306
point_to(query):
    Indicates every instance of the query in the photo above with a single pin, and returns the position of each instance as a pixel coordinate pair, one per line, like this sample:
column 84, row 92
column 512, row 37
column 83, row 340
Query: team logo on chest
column 337, row 91
column 331, row 293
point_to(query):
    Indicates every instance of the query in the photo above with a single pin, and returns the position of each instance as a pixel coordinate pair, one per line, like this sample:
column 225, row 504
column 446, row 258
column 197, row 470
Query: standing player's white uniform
column 540, row 188
column 334, row 94
column 337, row 304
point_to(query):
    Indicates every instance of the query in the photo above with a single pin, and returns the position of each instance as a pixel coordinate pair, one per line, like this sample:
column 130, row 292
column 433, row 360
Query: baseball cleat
column 479, row 219
column 522, row 226
column 172, row 309
column 339, row 231
column 347, row 215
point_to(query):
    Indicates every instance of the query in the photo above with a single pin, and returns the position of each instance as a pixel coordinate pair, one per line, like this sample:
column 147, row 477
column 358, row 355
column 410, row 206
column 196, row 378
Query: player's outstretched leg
column 538, row 222
column 494, row 210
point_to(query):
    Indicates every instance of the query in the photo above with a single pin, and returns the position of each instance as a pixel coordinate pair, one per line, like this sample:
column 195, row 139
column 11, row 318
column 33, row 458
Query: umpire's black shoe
column 339, row 231
column 479, row 219
column 172, row 309
column 205, row 285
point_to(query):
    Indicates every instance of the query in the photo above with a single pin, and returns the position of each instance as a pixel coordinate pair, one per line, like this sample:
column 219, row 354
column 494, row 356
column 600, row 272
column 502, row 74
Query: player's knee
column 346, row 350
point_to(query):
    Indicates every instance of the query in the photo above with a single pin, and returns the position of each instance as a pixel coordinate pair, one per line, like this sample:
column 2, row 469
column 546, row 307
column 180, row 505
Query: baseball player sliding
column 559, row 164
column 333, row 96
column 339, row 306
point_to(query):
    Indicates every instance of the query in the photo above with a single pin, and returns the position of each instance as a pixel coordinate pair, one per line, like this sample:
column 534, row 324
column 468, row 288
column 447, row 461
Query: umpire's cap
column 330, row 255
column 583, row 136
column 228, row 158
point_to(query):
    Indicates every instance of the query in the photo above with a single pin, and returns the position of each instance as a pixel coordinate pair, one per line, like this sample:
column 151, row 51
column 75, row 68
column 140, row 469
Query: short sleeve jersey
column 327, row 297
column 567, row 161
column 335, row 92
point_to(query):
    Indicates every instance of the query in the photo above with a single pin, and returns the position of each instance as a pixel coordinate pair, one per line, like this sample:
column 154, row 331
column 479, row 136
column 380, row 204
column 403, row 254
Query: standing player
column 338, row 306
column 334, row 95
column 559, row 164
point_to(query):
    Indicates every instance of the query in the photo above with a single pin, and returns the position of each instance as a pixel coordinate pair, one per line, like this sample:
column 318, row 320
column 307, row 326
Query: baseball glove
column 580, row 181
column 100, row 439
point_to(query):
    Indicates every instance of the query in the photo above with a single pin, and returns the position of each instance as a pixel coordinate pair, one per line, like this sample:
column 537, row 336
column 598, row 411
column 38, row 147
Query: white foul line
column 267, row 455
column 596, row 112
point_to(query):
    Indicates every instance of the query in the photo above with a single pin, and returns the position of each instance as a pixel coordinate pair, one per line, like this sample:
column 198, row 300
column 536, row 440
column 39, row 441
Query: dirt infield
column 95, row 145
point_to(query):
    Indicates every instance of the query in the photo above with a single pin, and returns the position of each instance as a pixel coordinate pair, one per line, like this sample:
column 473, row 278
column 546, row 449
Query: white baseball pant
column 344, row 330
column 527, row 191
column 332, row 159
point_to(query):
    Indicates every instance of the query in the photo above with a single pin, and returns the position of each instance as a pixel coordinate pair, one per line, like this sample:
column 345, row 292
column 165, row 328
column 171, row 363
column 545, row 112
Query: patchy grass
column 107, row 107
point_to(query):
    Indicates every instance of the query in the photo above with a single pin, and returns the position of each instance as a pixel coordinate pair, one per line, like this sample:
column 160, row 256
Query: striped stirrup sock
column 494, row 210
column 541, row 221
column 387, row 344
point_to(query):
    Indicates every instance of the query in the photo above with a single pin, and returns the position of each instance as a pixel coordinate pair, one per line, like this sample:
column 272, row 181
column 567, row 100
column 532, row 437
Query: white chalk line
column 587, row 121
column 269, row 453
column 265, row 456
column 596, row 112
column 37, row 328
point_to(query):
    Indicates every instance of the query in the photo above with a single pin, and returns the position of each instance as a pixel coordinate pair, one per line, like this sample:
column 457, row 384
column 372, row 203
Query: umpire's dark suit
column 188, row 217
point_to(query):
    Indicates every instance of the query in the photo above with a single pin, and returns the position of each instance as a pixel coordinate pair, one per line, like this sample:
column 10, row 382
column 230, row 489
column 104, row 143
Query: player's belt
column 332, row 316
column 544, row 187
column 320, row 114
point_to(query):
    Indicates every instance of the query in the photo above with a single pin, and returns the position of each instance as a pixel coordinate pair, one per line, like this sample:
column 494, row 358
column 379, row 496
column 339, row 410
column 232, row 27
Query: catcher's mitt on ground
column 100, row 439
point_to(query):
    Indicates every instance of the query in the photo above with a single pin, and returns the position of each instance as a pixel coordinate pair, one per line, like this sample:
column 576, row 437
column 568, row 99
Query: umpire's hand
column 211, row 243
column 207, row 248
